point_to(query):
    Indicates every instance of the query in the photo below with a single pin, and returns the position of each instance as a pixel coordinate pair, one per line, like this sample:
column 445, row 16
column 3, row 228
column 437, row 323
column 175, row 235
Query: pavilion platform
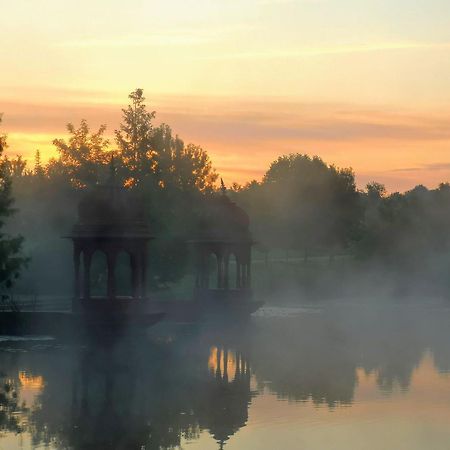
column 72, row 324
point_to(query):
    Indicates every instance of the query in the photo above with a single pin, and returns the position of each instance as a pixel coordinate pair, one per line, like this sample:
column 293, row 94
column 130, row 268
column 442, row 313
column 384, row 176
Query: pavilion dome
column 223, row 220
column 110, row 210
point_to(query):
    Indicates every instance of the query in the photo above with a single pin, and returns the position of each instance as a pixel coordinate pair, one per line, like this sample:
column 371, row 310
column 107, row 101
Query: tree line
column 301, row 204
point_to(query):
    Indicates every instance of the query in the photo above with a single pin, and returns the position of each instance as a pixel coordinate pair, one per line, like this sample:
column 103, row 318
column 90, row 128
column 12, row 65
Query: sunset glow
column 361, row 84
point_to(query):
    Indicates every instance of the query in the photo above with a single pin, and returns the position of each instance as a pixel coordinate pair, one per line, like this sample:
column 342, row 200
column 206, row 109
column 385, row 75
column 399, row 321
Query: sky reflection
column 348, row 378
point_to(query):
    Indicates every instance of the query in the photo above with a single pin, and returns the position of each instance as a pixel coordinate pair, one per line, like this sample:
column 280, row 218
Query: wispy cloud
column 173, row 37
column 333, row 50
column 177, row 39
column 433, row 167
column 244, row 120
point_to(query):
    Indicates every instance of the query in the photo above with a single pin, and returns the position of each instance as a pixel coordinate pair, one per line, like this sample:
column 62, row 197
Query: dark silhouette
column 131, row 394
column 305, row 215
column 302, row 204
column 156, row 392
column 12, row 259
column 223, row 235
column 111, row 221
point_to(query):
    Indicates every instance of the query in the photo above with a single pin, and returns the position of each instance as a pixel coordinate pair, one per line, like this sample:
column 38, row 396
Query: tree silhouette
column 134, row 140
column 83, row 157
column 11, row 258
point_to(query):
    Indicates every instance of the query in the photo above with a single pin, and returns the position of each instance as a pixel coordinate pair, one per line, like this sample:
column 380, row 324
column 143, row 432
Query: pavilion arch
column 213, row 271
column 124, row 265
column 232, row 268
column 98, row 280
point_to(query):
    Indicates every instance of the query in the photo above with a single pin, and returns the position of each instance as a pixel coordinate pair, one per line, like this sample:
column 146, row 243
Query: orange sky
column 361, row 84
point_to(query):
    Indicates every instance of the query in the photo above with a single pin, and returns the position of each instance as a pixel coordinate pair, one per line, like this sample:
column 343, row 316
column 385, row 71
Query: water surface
column 343, row 377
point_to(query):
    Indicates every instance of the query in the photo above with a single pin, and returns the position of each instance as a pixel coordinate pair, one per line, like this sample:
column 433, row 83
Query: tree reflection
column 315, row 356
column 155, row 393
column 132, row 395
column 10, row 409
column 306, row 359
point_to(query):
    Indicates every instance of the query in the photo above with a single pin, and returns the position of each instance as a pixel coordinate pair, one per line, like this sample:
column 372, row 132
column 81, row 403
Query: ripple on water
column 6, row 338
column 285, row 311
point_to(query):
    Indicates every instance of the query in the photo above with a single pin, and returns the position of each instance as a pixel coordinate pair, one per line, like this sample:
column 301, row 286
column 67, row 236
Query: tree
column 3, row 143
column 134, row 140
column 155, row 155
column 170, row 177
column 180, row 166
column 11, row 258
column 15, row 168
column 375, row 190
column 83, row 157
column 39, row 171
column 312, row 204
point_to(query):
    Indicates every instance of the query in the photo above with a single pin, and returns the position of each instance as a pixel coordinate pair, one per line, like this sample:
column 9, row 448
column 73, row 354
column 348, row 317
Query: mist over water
column 149, row 300
column 350, row 350
column 346, row 376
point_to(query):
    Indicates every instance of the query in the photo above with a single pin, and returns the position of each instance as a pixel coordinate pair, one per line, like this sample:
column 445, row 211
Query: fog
column 185, row 384
column 355, row 285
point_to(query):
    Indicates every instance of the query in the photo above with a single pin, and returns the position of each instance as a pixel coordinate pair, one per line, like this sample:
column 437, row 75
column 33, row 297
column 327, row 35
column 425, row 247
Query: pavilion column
column 244, row 275
column 247, row 369
column 206, row 272
column 134, row 275
column 238, row 274
column 249, row 274
column 198, row 269
column 226, row 281
column 76, row 265
column 137, row 274
column 111, row 283
column 218, row 366
column 225, row 365
column 206, row 261
column 201, row 269
column 87, row 258
column 219, row 270
column 143, row 272
column 238, row 366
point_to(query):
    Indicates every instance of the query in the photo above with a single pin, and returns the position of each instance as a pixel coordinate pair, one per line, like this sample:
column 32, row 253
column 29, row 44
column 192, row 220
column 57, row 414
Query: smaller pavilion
column 223, row 236
column 111, row 221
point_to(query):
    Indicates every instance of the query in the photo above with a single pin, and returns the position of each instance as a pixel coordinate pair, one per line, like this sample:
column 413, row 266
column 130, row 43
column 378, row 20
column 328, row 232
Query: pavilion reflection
column 158, row 393
column 225, row 405
column 151, row 395
column 119, row 403
column 228, row 364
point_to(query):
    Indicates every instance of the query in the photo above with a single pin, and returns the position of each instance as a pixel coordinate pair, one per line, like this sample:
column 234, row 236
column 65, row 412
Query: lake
column 315, row 377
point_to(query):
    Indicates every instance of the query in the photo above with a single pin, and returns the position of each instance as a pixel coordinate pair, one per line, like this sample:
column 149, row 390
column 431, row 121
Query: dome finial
column 223, row 188
column 112, row 170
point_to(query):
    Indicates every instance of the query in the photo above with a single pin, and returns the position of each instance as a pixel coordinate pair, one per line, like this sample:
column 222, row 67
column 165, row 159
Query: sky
column 361, row 83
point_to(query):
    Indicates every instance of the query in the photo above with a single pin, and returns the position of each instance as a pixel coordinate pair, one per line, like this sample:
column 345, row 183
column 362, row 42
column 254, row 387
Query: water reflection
column 149, row 396
column 160, row 392
column 225, row 408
